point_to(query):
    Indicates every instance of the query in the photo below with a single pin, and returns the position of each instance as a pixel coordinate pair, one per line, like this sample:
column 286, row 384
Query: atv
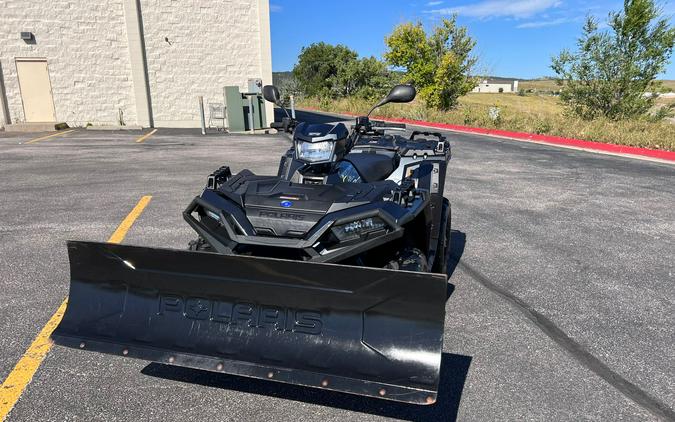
column 330, row 274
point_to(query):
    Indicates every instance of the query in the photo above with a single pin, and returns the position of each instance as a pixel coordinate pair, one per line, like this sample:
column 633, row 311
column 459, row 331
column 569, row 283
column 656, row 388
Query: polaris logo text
column 281, row 215
column 243, row 314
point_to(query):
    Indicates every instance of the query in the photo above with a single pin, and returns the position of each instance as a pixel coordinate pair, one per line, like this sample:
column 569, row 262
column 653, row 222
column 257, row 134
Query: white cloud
column 500, row 8
column 434, row 3
column 544, row 23
column 275, row 8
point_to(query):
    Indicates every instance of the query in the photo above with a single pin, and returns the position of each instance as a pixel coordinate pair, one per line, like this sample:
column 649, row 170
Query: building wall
column 211, row 44
column 493, row 88
column 85, row 44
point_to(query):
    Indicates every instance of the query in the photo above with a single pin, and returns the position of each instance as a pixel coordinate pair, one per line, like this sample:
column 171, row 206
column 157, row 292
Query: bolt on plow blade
column 363, row 331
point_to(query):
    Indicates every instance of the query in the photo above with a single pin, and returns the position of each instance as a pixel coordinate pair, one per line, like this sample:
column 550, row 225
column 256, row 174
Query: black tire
column 441, row 261
column 409, row 259
column 200, row 245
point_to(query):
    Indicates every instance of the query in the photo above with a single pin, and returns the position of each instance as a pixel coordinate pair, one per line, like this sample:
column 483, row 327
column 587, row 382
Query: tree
column 325, row 69
column 438, row 64
column 365, row 78
column 613, row 69
column 318, row 63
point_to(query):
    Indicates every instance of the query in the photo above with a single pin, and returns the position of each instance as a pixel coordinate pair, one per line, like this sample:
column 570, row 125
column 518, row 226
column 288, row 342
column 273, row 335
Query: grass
column 538, row 85
column 531, row 114
column 669, row 85
column 549, row 85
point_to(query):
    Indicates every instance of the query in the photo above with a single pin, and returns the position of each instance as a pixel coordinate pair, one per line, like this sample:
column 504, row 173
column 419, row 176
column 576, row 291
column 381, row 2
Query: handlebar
column 385, row 125
column 286, row 124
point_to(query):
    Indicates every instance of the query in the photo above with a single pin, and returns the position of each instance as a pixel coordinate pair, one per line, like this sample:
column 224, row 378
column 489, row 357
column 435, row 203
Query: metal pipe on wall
column 3, row 100
column 201, row 114
column 251, row 124
column 139, row 66
column 293, row 106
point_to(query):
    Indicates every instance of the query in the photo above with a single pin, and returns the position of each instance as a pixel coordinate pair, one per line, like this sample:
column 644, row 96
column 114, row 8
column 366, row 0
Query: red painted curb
column 544, row 139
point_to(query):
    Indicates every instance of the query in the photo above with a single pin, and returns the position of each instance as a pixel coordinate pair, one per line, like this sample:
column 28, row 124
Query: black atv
column 359, row 197
column 330, row 274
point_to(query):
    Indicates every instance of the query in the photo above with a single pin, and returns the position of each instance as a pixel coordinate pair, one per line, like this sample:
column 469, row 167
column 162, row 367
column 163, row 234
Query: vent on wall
column 27, row 36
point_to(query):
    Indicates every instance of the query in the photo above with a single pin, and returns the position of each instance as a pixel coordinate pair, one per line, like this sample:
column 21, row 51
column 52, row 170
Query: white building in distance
column 139, row 62
column 496, row 86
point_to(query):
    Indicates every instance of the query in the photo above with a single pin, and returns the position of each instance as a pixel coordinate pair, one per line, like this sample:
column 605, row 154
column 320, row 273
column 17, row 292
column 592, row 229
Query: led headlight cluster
column 315, row 152
column 359, row 228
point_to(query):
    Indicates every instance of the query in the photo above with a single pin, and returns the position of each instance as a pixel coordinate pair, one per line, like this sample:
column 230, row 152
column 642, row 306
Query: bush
column 542, row 127
column 469, row 118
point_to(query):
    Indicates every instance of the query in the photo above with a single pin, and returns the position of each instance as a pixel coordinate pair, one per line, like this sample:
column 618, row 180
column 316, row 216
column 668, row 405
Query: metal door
column 36, row 89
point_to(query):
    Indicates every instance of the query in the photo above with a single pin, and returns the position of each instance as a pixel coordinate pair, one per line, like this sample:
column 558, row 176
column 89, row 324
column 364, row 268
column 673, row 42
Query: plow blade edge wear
column 364, row 331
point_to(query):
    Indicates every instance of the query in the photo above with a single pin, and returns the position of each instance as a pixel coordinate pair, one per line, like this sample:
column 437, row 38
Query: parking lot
column 562, row 308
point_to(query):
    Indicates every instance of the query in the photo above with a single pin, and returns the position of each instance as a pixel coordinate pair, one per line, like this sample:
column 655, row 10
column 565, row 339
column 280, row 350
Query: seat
column 372, row 167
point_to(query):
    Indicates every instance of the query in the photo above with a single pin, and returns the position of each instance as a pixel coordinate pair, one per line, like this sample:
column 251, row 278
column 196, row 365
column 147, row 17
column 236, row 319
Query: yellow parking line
column 146, row 136
column 42, row 138
column 125, row 225
column 22, row 374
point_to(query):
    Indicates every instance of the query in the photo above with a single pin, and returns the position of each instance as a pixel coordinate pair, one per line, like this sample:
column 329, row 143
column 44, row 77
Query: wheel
column 409, row 259
column 441, row 261
column 200, row 245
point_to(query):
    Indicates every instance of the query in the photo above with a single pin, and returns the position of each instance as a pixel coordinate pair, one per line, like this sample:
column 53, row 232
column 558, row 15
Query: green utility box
column 245, row 111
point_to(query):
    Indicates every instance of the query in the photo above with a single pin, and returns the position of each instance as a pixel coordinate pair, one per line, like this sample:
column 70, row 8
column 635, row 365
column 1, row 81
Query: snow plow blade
column 364, row 331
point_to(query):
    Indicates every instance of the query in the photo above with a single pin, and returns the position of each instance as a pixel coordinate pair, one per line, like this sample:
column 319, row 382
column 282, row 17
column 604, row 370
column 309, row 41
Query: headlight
column 315, row 152
column 359, row 228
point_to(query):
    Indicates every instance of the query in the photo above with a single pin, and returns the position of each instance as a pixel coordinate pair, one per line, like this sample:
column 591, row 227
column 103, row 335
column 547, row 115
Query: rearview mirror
column 271, row 94
column 398, row 94
column 401, row 94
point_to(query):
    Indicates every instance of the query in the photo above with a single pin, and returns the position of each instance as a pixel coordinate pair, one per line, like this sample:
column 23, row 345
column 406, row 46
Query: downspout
column 265, row 53
column 3, row 101
column 139, row 65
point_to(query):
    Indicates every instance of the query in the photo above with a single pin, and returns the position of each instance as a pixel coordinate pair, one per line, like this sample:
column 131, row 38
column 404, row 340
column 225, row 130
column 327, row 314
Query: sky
column 515, row 38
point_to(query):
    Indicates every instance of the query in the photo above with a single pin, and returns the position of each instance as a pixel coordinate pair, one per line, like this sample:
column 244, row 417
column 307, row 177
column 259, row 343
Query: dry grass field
column 669, row 84
column 549, row 85
column 541, row 114
column 539, row 85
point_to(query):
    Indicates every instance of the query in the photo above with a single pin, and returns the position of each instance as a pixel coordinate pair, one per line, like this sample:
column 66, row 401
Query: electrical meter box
column 245, row 111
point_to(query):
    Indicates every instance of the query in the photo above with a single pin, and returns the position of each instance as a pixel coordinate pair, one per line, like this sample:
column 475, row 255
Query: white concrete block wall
column 493, row 88
column 86, row 47
column 211, row 44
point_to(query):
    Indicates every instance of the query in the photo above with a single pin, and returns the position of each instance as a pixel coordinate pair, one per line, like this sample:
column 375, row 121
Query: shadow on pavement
column 454, row 370
column 457, row 244
column 310, row 117
column 458, row 240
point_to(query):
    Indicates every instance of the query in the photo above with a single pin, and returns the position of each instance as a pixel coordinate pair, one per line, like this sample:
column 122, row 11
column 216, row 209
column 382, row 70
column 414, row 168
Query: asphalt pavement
column 562, row 306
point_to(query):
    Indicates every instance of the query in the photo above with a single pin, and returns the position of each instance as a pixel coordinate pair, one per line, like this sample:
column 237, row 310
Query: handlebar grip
column 277, row 125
